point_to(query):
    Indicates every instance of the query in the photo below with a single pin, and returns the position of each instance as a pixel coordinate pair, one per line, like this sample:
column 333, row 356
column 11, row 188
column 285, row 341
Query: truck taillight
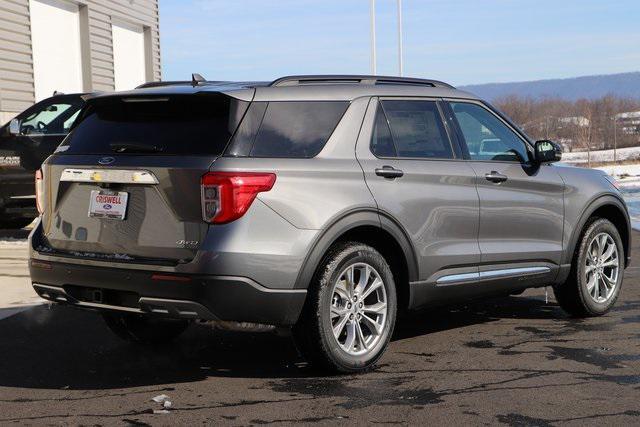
column 40, row 191
column 226, row 196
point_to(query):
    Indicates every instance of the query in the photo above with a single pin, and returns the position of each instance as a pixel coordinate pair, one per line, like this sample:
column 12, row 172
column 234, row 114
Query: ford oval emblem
column 106, row 160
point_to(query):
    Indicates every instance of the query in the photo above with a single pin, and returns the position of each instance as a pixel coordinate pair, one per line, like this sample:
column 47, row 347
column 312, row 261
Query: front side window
column 486, row 136
column 410, row 129
column 50, row 119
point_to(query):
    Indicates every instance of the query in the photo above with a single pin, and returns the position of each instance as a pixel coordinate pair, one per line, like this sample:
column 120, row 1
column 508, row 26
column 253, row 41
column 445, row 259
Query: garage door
column 55, row 38
column 128, row 56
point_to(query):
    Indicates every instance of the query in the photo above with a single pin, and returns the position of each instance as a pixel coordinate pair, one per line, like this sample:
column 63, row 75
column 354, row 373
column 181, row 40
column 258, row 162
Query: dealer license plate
column 108, row 204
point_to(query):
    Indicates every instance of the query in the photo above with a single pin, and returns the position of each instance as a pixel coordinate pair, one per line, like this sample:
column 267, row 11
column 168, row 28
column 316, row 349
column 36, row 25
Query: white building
column 629, row 122
column 74, row 46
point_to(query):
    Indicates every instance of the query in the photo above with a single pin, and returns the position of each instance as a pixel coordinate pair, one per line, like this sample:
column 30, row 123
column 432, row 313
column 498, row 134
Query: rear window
column 410, row 129
column 185, row 125
column 292, row 129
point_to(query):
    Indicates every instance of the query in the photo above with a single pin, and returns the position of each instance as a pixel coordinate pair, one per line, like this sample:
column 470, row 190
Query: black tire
column 573, row 296
column 144, row 330
column 15, row 224
column 314, row 331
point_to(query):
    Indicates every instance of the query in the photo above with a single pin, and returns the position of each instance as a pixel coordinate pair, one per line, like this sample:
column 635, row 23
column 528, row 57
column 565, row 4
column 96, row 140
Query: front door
column 521, row 203
column 418, row 179
column 43, row 127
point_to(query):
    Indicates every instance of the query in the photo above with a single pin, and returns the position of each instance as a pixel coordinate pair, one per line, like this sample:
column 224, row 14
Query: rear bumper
column 195, row 297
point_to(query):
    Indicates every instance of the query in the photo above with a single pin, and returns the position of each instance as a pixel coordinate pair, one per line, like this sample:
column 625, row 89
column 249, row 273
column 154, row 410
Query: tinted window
column 296, row 129
column 246, row 133
column 381, row 140
column 416, row 130
column 487, row 137
column 187, row 125
column 53, row 118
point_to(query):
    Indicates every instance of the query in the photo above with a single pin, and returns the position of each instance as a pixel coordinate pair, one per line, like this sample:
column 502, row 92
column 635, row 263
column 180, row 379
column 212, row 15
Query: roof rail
column 357, row 79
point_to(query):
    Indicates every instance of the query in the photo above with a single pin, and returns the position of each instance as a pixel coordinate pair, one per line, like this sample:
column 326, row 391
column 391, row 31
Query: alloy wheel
column 602, row 266
column 358, row 309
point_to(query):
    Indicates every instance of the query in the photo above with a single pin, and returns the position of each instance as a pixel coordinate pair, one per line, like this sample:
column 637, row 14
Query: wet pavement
column 510, row 361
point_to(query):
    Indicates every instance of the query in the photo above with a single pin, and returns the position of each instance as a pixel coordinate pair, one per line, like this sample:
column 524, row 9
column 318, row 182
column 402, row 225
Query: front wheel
column 596, row 274
column 351, row 310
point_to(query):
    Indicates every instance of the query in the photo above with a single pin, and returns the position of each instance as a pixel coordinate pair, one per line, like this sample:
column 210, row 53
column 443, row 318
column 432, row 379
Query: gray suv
column 328, row 204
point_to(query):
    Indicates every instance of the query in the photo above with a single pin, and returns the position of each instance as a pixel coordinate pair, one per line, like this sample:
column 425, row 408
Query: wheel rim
column 602, row 266
column 358, row 309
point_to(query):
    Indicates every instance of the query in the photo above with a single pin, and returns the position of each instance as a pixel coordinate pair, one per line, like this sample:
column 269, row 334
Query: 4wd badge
column 187, row 244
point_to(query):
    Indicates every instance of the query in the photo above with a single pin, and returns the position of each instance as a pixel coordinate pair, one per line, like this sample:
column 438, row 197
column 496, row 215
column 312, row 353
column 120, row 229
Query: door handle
column 496, row 177
column 389, row 172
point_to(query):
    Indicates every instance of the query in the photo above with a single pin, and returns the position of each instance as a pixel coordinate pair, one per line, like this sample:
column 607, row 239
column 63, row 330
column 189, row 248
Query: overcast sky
column 459, row 41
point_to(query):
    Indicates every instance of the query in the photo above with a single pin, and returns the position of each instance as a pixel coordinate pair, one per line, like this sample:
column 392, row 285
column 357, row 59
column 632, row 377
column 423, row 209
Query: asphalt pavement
column 507, row 361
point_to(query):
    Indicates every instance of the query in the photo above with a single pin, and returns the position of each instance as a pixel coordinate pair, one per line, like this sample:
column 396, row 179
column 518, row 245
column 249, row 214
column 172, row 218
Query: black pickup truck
column 25, row 142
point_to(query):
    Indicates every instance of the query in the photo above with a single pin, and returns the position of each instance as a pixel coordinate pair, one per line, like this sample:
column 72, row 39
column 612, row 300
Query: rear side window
column 185, row 125
column 411, row 129
column 291, row 129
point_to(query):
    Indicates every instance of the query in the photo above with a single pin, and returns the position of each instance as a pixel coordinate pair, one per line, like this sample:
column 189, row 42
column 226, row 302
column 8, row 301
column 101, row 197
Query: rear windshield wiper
column 127, row 147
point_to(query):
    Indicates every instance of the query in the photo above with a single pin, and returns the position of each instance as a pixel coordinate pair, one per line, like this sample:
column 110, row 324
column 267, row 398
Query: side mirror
column 548, row 151
column 14, row 127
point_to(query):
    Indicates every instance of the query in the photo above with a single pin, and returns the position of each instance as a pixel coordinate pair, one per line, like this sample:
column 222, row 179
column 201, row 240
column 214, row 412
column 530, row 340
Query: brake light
column 226, row 196
column 40, row 191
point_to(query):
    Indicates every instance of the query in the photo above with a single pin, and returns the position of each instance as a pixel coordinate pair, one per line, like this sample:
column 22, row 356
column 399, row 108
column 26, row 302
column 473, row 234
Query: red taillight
column 226, row 196
column 39, row 191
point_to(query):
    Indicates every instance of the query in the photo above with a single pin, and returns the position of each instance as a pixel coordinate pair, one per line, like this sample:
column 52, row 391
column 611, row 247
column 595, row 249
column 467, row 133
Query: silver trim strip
column 491, row 274
column 111, row 176
column 453, row 278
column 513, row 271
column 169, row 307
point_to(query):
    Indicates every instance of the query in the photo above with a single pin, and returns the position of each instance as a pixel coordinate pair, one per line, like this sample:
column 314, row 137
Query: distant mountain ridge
column 626, row 85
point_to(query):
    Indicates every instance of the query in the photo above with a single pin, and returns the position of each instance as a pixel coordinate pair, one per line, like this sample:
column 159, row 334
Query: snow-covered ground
column 628, row 177
column 622, row 154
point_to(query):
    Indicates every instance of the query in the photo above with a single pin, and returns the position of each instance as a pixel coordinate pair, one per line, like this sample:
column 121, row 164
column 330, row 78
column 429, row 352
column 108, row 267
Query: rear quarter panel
column 308, row 196
column 312, row 193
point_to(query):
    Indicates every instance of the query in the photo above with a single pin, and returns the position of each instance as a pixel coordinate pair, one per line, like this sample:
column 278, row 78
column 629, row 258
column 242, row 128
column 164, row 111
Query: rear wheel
column 144, row 330
column 351, row 310
column 15, row 224
column 596, row 274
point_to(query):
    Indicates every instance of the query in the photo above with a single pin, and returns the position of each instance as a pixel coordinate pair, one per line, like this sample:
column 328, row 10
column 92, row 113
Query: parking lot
column 513, row 361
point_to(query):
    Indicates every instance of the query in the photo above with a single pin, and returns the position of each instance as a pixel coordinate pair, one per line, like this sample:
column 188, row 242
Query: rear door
column 125, row 184
column 521, row 203
column 418, row 179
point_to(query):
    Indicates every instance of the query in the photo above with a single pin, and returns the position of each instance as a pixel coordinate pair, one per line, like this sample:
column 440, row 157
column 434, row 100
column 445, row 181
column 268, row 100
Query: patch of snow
column 627, row 176
column 622, row 154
